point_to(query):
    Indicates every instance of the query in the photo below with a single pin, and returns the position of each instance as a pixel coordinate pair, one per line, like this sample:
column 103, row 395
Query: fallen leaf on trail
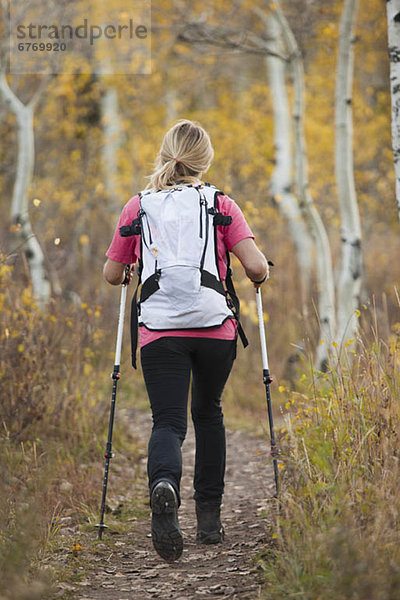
column 76, row 548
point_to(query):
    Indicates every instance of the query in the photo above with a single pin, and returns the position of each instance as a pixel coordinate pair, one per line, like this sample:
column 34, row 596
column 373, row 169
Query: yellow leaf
column 77, row 547
column 36, row 202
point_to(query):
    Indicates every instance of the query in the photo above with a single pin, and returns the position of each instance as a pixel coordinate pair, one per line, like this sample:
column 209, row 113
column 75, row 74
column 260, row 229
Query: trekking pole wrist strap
column 261, row 280
column 270, row 264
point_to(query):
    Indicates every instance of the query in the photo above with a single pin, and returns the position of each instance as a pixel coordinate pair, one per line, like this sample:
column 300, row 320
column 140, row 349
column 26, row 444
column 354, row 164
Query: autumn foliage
column 339, row 441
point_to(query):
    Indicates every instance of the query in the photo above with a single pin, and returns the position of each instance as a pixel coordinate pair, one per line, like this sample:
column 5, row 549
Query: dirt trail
column 128, row 568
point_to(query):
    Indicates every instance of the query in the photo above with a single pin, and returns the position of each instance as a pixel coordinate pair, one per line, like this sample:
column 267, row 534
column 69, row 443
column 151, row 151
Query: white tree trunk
column 112, row 129
column 393, row 16
column 24, row 173
column 170, row 105
column 349, row 283
column 326, row 290
column 281, row 183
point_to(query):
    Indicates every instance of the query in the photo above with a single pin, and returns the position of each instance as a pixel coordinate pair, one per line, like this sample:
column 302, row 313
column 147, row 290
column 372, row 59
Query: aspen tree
column 393, row 17
column 20, row 217
column 349, row 283
column 110, row 120
column 326, row 290
column 112, row 131
column 281, row 184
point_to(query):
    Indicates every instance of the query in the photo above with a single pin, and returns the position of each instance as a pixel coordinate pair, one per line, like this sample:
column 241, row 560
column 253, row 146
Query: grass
column 55, row 396
column 338, row 533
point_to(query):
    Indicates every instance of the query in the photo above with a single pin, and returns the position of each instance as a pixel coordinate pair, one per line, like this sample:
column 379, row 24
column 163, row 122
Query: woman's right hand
column 258, row 284
column 115, row 272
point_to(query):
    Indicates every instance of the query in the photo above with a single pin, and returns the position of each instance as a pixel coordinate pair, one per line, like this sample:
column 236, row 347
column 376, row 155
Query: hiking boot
column 165, row 532
column 209, row 527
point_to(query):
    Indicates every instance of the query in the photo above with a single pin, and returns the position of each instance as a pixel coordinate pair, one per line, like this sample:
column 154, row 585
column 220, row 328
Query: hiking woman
column 186, row 326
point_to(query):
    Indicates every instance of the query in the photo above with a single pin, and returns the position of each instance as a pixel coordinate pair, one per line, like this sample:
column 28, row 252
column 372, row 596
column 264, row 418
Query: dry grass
column 338, row 532
column 55, row 390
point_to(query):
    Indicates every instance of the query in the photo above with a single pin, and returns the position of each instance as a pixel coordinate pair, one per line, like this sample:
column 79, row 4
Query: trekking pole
column 115, row 376
column 267, row 381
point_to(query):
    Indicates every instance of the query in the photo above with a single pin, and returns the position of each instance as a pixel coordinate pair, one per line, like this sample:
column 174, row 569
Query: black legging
column 167, row 364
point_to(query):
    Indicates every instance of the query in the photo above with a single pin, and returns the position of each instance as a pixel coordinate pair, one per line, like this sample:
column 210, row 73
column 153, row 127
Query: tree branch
column 10, row 98
column 242, row 41
column 37, row 93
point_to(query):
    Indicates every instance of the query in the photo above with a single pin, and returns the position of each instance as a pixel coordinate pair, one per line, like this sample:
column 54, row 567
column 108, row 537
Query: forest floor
column 124, row 565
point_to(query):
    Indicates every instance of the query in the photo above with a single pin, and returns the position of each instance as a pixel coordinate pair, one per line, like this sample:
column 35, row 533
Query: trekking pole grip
column 263, row 342
column 127, row 272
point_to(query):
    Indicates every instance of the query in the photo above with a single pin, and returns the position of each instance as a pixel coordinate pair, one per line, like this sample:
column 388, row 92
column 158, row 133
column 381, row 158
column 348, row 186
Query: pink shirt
column 127, row 250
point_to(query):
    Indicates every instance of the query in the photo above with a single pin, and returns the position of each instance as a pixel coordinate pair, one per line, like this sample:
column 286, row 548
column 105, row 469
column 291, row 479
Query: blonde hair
column 186, row 153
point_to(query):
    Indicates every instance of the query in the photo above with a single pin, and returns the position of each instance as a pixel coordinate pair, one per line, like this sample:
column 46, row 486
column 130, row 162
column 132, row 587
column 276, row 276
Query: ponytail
column 186, row 153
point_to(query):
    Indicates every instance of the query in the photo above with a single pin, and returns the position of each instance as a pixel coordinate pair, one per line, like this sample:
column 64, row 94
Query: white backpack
column 178, row 269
